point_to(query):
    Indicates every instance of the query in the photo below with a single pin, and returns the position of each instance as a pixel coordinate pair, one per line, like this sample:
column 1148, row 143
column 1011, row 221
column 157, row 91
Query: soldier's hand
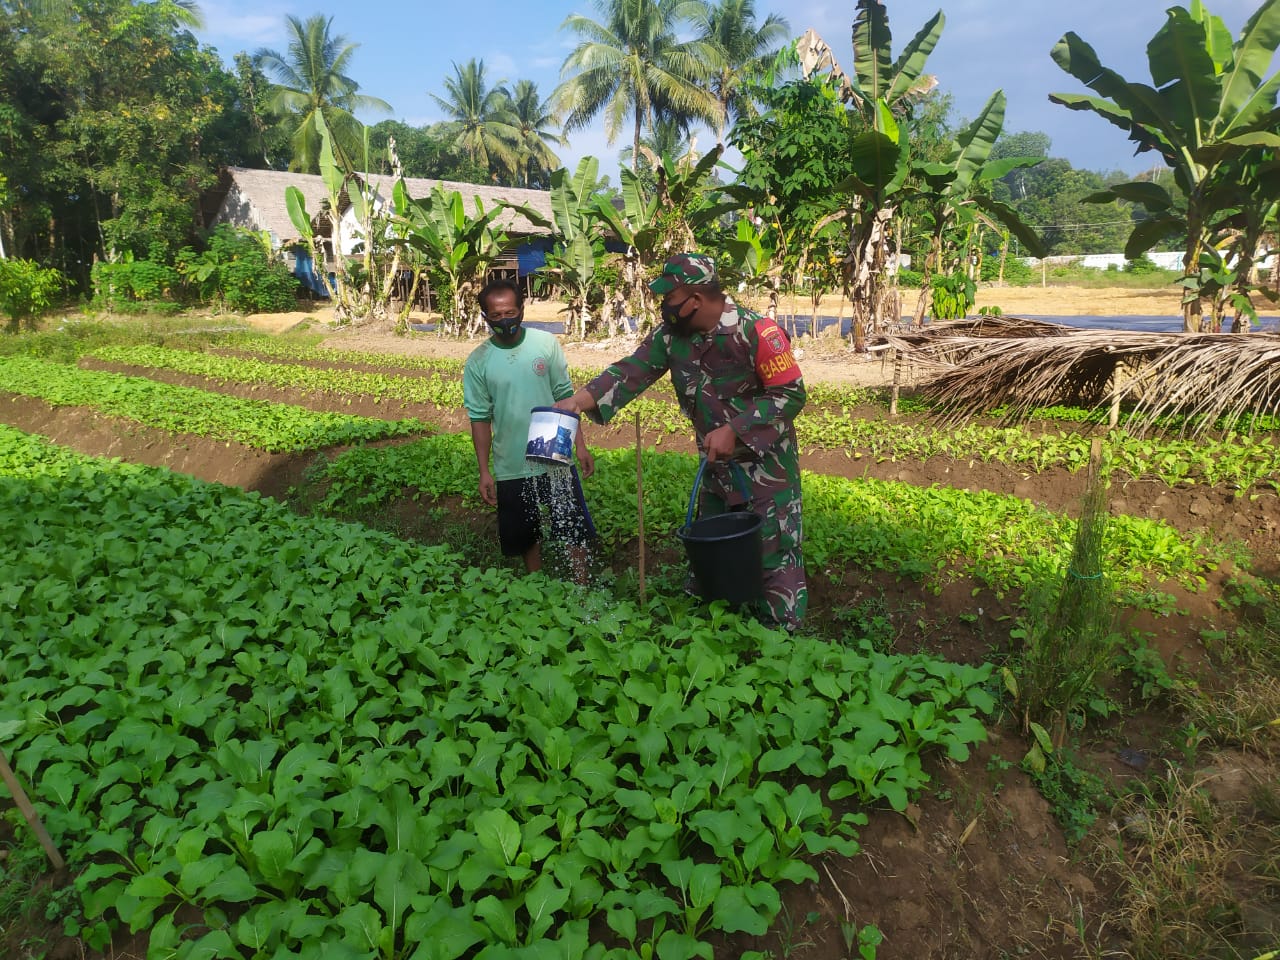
column 579, row 403
column 720, row 443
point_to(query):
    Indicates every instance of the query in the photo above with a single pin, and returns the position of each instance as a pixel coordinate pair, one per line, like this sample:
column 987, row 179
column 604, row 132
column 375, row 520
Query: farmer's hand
column 720, row 443
column 579, row 403
column 488, row 489
column 586, row 462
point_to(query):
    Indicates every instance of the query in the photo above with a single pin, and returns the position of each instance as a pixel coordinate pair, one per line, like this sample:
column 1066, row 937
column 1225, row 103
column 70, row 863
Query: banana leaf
column 871, row 49
column 1252, row 55
column 296, row 205
column 1150, row 232
column 910, row 66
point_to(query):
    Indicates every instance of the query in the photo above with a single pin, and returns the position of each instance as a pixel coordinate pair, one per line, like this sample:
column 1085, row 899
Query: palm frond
column 1211, row 380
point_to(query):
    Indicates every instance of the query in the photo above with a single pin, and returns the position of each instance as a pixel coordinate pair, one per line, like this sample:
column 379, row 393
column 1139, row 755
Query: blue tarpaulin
column 532, row 255
column 304, row 269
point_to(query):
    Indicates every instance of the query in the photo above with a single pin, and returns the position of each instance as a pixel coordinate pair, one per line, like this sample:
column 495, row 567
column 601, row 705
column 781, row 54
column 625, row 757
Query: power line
column 1070, row 226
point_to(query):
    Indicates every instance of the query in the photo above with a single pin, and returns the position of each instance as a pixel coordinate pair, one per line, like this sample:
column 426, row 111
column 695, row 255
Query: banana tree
column 634, row 225
column 578, row 246
column 360, row 289
column 881, row 92
column 957, row 191
column 682, row 189
column 458, row 250
column 755, row 260
column 1207, row 106
column 1244, row 230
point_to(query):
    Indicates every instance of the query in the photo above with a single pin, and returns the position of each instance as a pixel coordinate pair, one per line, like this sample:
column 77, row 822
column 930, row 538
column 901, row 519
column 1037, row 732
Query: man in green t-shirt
column 512, row 372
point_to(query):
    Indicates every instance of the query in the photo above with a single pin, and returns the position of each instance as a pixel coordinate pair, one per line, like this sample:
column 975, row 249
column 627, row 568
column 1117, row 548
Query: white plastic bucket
column 551, row 434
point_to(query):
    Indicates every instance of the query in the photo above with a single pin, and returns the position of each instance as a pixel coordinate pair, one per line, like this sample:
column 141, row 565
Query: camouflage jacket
column 742, row 373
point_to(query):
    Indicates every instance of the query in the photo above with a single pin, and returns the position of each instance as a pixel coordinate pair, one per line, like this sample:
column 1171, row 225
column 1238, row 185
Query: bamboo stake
column 28, row 811
column 1117, row 391
column 640, row 506
column 897, row 381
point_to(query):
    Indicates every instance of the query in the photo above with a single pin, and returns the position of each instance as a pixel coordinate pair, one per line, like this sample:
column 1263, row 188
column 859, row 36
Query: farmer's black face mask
column 673, row 318
column 505, row 326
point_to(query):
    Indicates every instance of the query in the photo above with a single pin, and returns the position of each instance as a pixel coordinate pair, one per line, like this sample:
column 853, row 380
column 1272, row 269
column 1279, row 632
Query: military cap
column 691, row 268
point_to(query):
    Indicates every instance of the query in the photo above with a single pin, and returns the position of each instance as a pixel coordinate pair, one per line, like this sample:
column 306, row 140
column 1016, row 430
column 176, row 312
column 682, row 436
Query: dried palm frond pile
column 987, row 326
column 950, row 343
column 1207, row 378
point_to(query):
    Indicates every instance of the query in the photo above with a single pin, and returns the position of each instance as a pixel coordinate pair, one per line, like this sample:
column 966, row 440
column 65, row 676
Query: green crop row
column 378, row 386
column 442, row 391
column 258, row 735
column 1247, row 424
column 309, row 348
column 1002, row 541
column 254, row 423
column 1240, row 461
column 297, row 349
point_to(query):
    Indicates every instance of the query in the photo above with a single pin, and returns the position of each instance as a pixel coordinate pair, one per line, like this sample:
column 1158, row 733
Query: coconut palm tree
column 632, row 65
column 312, row 81
column 487, row 126
column 745, row 51
column 669, row 137
column 535, row 122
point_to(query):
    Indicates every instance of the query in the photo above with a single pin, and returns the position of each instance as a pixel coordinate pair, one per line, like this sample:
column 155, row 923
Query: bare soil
column 980, row 866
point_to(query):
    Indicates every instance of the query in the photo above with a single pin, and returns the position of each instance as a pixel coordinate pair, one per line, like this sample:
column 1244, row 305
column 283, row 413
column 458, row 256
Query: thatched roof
column 1209, row 377
column 255, row 199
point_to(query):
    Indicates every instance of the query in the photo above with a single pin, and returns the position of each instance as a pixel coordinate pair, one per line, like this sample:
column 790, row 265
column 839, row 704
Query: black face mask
column 507, row 326
column 674, row 319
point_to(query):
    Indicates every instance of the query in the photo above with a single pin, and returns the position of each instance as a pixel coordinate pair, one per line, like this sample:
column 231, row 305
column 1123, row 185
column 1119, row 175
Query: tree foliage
column 1210, row 114
column 483, row 120
column 113, row 119
column 633, row 68
column 312, row 85
column 428, row 151
column 26, row 290
column 746, row 51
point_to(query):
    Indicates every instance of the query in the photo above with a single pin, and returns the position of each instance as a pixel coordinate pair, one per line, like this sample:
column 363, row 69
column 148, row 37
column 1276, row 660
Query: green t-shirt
column 501, row 385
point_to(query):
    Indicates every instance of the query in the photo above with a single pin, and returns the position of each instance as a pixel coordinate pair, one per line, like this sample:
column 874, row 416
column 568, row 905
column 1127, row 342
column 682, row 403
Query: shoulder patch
column 775, row 363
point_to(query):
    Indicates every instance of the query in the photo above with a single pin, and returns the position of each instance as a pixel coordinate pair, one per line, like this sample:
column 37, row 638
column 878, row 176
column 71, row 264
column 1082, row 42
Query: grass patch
column 1179, row 857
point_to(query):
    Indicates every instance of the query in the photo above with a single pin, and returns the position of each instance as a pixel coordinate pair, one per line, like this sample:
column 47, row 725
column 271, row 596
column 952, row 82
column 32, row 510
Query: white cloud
column 233, row 26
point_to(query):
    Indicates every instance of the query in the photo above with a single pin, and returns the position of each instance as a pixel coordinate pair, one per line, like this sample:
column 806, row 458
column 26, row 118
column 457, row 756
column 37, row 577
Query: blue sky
column 407, row 48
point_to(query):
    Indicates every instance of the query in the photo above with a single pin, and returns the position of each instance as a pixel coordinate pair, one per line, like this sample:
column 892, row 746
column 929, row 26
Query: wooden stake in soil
column 28, row 811
column 640, row 506
column 897, row 381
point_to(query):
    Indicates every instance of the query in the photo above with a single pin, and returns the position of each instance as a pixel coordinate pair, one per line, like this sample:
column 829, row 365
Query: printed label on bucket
column 551, row 433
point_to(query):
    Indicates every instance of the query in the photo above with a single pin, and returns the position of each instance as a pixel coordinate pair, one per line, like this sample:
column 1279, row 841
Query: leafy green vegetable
column 310, row 733
column 254, row 423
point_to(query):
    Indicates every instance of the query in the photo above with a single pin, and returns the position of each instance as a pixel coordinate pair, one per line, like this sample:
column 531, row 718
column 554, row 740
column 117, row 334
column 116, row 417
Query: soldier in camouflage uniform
column 737, row 380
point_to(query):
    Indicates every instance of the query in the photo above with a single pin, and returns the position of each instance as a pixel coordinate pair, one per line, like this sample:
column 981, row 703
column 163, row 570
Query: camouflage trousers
column 786, row 592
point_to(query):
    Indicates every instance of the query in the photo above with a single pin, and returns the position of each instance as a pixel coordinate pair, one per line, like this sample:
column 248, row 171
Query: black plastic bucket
column 725, row 552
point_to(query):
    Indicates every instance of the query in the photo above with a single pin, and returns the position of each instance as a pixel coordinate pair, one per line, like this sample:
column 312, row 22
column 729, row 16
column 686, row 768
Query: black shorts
column 520, row 524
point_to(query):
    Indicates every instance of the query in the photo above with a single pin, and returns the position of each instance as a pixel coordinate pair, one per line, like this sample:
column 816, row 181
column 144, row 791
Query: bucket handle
column 739, row 475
